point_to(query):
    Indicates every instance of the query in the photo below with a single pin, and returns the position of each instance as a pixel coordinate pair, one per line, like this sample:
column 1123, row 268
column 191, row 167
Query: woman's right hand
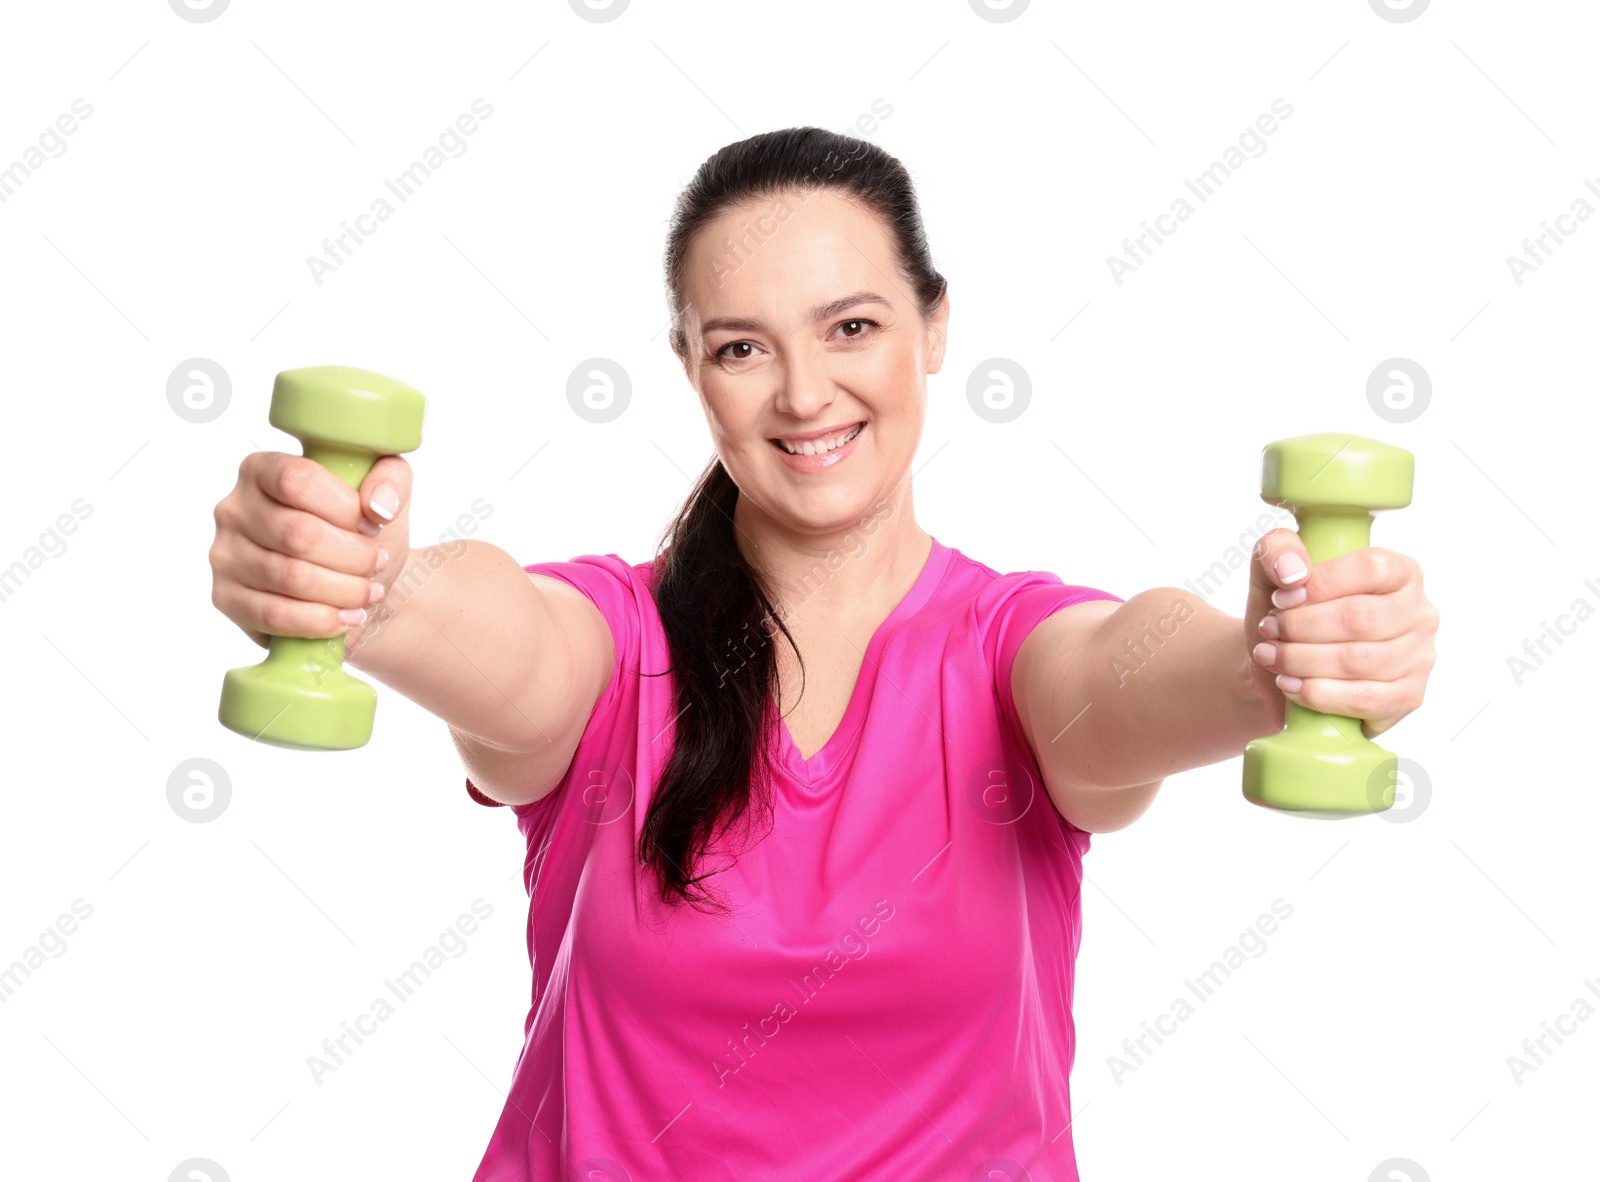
column 296, row 546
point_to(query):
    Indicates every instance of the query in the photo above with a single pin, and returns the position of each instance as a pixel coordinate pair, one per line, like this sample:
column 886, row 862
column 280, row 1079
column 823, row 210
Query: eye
column 858, row 320
column 722, row 353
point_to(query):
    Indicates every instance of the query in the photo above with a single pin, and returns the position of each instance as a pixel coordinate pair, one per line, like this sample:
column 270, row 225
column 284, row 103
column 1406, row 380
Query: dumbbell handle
column 1327, row 532
column 322, row 653
column 349, row 464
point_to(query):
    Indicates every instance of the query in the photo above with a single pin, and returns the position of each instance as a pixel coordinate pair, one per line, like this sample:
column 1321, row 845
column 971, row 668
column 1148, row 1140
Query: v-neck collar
column 826, row 759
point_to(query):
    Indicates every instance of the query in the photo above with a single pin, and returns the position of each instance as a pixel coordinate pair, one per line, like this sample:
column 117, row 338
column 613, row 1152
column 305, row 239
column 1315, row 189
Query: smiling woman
column 884, row 773
column 834, row 726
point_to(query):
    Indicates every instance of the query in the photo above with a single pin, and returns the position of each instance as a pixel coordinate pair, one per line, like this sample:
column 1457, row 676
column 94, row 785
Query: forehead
column 779, row 256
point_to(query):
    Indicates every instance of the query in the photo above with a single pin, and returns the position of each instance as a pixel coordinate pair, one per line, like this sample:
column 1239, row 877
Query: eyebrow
column 820, row 312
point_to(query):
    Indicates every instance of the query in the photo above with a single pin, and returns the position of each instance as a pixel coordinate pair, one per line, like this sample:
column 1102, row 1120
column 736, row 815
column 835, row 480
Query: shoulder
column 595, row 569
column 606, row 579
column 1063, row 629
column 608, row 587
column 1009, row 606
column 1019, row 617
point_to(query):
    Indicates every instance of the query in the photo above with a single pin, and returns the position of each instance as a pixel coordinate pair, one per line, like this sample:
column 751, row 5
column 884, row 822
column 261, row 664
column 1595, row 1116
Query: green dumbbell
column 1321, row 765
column 301, row 696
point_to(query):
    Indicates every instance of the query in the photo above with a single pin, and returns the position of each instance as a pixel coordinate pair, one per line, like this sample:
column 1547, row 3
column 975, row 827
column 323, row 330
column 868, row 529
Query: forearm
column 459, row 633
column 1162, row 685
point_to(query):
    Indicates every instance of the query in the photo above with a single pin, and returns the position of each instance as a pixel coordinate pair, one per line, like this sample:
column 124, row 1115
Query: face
column 798, row 322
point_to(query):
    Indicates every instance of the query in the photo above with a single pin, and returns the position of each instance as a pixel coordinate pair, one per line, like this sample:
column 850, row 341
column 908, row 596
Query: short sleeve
column 609, row 583
column 1030, row 597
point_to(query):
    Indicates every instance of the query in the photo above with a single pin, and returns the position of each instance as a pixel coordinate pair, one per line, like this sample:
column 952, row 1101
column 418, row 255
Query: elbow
column 1106, row 810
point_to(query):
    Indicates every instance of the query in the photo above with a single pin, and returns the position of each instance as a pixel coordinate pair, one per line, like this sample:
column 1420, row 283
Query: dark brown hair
column 717, row 614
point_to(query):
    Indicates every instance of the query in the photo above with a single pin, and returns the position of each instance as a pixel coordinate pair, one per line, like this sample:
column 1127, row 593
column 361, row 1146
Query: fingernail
column 1267, row 654
column 383, row 558
column 1289, row 567
column 371, row 528
column 385, row 501
column 1268, row 626
column 1289, row 685
column 352, row 615
column 375, row 592
column 1288, row 596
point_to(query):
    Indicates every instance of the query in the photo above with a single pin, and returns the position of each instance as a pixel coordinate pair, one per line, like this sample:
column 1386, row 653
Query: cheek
column 732, row 416
column 890, row 384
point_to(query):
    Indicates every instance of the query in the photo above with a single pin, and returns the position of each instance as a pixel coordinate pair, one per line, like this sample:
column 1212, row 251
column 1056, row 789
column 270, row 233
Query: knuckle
column 1379, row 564
column 1354, row 658
column 295, row 577
column 1269, row 542
column 300, row 531
column 393, row 468
column 1360, row 614
column 1362, row 698
column 267, row 471
column 277, row 472
column 276, row 617
column 1312, row 696
column 299, row 473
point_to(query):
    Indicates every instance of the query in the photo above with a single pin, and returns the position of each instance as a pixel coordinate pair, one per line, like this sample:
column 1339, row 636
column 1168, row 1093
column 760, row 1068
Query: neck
column 836, row 573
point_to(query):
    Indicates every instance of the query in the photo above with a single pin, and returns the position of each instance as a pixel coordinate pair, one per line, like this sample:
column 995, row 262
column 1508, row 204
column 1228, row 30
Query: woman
column 806, row 797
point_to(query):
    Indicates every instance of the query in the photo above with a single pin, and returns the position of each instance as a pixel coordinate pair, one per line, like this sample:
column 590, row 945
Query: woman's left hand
column 1355, row 637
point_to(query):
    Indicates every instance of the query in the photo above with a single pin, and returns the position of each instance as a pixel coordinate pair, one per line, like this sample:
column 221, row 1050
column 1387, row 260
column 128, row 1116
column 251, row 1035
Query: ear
column 938, row 325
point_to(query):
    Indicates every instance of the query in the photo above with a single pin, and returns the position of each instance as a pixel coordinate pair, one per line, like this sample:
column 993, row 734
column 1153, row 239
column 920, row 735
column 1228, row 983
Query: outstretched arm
column 1116, row 697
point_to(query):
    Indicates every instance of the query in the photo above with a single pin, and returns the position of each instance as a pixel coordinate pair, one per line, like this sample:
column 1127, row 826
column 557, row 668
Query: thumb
column 385, row 494
column 1280, row 560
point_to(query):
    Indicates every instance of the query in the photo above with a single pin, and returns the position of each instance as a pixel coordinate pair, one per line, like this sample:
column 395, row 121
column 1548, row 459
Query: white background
column 219, row 155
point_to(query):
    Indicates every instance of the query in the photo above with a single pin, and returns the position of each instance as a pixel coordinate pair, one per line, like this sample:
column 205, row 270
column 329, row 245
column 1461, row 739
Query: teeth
column 817, row 447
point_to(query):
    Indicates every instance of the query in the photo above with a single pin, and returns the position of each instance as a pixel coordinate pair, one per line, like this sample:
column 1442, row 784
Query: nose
column 805, row 387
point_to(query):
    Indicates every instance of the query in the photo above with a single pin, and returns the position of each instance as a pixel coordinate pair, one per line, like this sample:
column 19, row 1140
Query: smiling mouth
column 818, row 447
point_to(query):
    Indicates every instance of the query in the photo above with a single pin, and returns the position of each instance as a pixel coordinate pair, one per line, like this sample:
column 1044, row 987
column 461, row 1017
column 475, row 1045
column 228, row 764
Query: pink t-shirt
column 892, row 997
